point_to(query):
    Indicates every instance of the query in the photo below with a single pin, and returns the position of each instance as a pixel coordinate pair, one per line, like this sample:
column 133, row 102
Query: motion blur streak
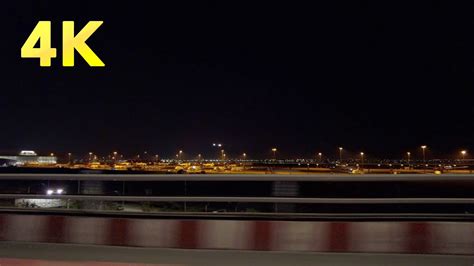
column 369, row 237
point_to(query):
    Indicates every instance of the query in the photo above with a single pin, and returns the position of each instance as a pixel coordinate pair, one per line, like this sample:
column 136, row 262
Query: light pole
column 217, row 146
column 180, row 155
column 274, row 150
column 463, row 154
column 90, row 157
column 320, row 157
column 361, row 160
column 423, row 148
column 115, row 156
column 408, row 158
column 340, row 154
column 245, row 157
column 69, row 157
column 222, row 154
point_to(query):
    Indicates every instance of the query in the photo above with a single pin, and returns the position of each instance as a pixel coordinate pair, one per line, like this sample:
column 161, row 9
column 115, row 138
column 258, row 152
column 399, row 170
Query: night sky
column 369, row 76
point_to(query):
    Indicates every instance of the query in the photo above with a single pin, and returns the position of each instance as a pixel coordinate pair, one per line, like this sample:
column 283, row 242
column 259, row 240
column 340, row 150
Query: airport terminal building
column 26, row 157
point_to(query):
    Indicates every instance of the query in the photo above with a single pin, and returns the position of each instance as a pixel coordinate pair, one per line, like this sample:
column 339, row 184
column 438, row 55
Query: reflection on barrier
column 386, row 237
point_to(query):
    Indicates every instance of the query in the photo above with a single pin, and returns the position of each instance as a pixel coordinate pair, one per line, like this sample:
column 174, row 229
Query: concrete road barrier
column 307, row 236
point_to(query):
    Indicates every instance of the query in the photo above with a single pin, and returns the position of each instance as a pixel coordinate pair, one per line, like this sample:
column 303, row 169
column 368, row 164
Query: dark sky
column 378, row 77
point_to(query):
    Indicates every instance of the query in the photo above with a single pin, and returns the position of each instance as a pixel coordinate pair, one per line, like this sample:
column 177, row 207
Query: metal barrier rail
column 243, row 216
column 247, row 199
column 242, row 177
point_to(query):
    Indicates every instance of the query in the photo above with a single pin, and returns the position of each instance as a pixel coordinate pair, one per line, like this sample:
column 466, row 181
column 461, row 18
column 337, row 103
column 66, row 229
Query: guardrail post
column 123, row 194
column 185, row 194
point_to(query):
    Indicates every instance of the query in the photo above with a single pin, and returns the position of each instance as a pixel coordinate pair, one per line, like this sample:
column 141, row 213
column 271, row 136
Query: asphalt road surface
column 14, row 253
